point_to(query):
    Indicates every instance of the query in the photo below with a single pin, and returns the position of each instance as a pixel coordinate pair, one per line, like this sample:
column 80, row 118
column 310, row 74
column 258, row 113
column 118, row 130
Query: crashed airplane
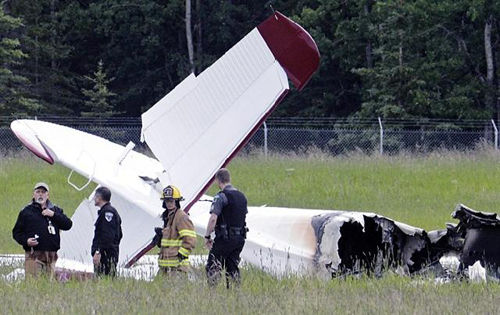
column 238, row 92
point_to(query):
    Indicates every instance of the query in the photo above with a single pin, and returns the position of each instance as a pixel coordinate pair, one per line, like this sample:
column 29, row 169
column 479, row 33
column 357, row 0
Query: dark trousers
column 225, row 254
column 109, row 261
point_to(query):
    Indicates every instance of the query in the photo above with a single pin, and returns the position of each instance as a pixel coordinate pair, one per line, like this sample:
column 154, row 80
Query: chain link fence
column 297, row 135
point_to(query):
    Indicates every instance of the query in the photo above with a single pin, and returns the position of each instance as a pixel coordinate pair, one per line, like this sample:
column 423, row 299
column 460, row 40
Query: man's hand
column 97, row 259
column 209, row 243
column 210, row 228
column 32, row 242
column 48, row 213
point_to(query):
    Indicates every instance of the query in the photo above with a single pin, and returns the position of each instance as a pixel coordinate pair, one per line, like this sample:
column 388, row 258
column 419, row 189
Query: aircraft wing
column 200, row 125
column 108, row 164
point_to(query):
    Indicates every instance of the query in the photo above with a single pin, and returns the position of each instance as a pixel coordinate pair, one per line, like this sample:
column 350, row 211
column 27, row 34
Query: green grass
column 259, row 294
column 421, row 191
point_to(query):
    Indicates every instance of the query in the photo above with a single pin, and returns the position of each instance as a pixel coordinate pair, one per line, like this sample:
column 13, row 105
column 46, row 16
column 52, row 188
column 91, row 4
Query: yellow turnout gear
column 178, row 238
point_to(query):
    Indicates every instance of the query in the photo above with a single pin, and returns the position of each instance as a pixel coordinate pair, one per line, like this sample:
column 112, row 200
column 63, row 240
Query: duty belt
column 233, row 231
column 226, row 232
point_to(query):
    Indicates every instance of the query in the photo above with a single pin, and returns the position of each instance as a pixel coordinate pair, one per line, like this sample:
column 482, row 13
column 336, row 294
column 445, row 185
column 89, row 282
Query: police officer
column 107, row 235
column 37, row 230
column 227, row 219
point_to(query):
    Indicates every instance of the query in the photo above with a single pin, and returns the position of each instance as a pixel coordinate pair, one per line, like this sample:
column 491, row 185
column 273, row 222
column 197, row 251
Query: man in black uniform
column 227, row 219
column 37, row 230
column 107, row 235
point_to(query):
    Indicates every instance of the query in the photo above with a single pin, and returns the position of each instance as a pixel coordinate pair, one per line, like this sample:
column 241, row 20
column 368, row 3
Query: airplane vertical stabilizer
column 198, row 127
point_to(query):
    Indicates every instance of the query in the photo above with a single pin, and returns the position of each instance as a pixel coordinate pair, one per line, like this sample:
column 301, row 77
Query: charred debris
column 366, row 243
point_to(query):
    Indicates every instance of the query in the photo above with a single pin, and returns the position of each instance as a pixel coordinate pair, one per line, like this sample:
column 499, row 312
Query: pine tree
column 13, row 96
column 50, row 27
column 98, row 96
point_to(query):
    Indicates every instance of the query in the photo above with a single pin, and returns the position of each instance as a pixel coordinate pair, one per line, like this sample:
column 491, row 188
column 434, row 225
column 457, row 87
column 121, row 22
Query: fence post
column 381, row 145
column 265, row 139
column 496, row 134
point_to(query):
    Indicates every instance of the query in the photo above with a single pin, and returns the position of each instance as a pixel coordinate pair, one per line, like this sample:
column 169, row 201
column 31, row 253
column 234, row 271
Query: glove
column 181, row 257
column 158, row 236
column 159, row 231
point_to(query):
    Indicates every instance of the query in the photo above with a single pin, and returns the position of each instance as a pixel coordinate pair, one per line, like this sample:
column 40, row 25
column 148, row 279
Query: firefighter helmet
column 171, row 192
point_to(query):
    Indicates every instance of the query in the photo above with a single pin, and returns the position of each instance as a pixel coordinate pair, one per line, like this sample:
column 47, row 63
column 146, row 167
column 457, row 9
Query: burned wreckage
column 355, row 243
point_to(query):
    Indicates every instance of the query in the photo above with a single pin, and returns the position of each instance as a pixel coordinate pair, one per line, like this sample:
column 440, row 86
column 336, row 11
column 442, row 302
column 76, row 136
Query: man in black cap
column 107, row 235
column 37, row 230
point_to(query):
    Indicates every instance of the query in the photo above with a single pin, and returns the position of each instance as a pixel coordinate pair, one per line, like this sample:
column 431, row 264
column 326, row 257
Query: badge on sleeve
column 108, row 216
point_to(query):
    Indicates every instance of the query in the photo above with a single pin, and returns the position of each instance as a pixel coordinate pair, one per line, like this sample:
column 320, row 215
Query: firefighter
column 178, row 235
column 228, row 220
column 37, row 230
column 107, row 235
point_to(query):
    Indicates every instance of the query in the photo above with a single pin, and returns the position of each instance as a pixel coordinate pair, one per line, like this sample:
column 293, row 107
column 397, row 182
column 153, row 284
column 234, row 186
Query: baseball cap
column 41, row 185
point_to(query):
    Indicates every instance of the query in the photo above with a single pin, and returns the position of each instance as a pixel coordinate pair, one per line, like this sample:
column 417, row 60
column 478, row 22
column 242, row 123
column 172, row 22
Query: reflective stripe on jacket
column 179, row 237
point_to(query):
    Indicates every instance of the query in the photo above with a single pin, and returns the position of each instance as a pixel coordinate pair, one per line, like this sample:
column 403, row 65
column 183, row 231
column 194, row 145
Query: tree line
column 392, row 58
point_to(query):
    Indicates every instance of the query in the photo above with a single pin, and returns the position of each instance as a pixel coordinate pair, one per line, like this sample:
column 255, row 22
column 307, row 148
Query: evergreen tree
column 423, row 64
column 13, row 96
column 97, row 103
column 391, row 58
column 45, row 36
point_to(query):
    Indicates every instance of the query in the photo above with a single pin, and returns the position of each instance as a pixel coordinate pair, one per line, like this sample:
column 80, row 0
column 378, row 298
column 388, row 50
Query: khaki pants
column 38, row 263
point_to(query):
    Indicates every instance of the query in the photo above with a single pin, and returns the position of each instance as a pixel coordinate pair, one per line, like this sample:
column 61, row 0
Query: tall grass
column 258, row 294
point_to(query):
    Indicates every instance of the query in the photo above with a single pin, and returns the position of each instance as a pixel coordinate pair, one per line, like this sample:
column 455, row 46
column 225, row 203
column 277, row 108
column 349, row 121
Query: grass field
column 420, row 191
column 259, row 294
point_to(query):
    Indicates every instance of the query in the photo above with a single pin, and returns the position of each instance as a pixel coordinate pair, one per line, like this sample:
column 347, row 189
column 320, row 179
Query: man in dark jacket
column 37, row 230
column 107, row 235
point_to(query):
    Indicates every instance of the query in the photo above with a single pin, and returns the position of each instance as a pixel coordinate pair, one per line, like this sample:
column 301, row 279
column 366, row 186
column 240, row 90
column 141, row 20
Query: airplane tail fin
column 204, row 122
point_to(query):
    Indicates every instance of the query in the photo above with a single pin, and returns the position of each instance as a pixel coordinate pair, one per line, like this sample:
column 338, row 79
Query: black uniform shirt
column 108, row 230
column 230, row 206
column 220, row 200
column 31, row 221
